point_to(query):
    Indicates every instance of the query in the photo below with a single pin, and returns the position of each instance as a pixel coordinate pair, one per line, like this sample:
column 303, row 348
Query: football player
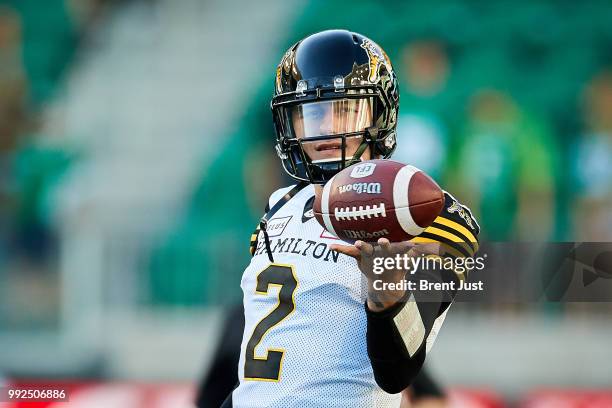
column 316, row 332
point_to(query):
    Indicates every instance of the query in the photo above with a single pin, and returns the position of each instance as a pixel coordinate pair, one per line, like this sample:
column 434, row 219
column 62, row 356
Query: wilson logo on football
column 358, row 188
column 363, row 170
column 365, row 235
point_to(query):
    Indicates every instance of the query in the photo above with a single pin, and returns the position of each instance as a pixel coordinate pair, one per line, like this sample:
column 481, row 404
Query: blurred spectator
column 422, row 129
column 592, row 166
column 506, row 165
column 12, row 115
column 49, row 42
column 35, row 41
column 12, row 80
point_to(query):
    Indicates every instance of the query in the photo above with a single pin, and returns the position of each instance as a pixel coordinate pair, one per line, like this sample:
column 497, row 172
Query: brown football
column 378, row 199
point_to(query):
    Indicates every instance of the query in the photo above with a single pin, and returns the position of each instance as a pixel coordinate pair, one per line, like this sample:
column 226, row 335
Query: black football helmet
column 332, row 88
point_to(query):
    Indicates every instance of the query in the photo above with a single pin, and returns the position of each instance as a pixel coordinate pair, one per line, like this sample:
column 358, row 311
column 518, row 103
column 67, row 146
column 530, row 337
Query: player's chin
column 323, row 156
column 330, row 155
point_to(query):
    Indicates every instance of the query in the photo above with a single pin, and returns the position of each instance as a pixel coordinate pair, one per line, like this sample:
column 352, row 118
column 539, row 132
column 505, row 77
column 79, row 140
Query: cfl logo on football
column 368, row 188
column 365, row 235
column 363, row 170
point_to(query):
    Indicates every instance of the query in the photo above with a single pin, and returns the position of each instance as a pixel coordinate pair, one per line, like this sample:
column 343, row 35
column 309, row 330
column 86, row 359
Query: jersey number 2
column 268, row 367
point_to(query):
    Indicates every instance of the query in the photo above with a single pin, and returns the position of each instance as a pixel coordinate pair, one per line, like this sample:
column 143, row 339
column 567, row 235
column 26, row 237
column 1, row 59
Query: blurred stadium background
column 136, row 155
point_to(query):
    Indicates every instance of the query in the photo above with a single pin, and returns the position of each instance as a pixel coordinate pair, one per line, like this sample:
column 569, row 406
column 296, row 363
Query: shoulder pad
column 277, row 195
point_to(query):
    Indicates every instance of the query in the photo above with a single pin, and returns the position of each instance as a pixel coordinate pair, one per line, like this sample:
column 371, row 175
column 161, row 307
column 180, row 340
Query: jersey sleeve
column 255, row 238
column 455, row 228
column 400, row 337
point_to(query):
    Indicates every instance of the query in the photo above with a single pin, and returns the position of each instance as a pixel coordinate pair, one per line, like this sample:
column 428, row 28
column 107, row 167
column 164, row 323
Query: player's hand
column 365, row 254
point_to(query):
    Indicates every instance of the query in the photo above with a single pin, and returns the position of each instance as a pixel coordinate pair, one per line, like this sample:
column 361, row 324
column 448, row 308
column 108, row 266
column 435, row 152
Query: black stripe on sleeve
column 456, row 233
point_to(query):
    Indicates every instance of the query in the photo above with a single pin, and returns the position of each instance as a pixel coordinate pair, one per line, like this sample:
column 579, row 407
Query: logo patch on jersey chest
column 276, row 226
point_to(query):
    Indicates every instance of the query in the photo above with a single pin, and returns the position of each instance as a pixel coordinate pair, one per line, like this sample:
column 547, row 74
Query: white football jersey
column 320, row 340
column 304, row 343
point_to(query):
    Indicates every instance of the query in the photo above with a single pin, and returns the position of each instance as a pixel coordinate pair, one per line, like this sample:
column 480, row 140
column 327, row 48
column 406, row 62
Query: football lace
column 360, row 212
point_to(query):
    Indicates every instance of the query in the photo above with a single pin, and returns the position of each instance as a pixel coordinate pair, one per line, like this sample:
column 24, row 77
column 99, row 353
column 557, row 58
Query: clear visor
column 333, row 117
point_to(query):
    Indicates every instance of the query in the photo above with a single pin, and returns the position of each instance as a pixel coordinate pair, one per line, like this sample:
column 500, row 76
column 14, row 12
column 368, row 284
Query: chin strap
column 263, row 223
column 372, row 131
